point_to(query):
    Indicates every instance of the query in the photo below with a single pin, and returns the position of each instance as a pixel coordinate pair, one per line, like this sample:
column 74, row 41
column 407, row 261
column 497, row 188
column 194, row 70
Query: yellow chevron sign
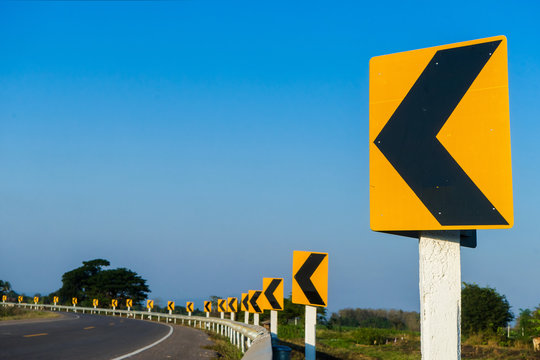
column 208, row 306
column 189, row 306
column 55, row 299
column 244, row 302
column 149, row 304
column 4, row 297
column 114, row 302
column 129, row 303
column 170, row 305
column 272, row 297
column 439, row 138
column 310, row 278
column 20, row 298
column 74, row 301
column 222, row 305
column 36, row 299
column 95, row 302
column 232, row 304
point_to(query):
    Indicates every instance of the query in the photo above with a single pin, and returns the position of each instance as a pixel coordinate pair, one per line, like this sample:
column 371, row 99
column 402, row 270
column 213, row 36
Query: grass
column 16, row 313
column 223, row 348
column 386, row 344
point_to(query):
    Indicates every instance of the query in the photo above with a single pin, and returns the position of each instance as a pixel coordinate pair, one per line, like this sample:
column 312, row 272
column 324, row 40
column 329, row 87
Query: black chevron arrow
column 253, row 301
column 269, row 293
column 245, row 301
column 303, row 278
column 206, row 306
column 220, row 305
column 408, row 140
column 232, row 305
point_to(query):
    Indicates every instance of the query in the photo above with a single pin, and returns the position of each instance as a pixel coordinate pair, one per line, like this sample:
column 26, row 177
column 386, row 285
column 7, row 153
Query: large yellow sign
column 114, row 303
column 95, row 302
column 170, row 305
column 129, row 303
column 36, row 299
column 189, row 306
column 439, row 138
column 272, row 297
column 74, row 301
column 208, row 306
column 55, row 299
column 310, row 278
column 20, row 298
column 149, row 304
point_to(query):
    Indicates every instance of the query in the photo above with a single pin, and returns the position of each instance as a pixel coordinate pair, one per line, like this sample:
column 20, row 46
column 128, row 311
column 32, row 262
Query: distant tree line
column 376, row 318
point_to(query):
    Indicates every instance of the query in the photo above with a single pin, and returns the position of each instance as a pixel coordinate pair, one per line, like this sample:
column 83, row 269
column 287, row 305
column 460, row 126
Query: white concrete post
column 189, row 314
column 237, row 339
column 440, row 295
column 273, row 322
column 242, row 342
column 255, row 319
column 207, row 314
column 233, row 316
column 222, row 315
column 170, row 312
column 311, row 322
column 246, row 317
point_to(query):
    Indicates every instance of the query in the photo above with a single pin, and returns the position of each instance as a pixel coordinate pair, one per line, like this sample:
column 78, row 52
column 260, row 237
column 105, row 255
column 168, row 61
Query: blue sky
column 200, row 142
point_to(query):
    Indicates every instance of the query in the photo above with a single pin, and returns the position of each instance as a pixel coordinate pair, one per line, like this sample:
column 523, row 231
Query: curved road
column 85, row 336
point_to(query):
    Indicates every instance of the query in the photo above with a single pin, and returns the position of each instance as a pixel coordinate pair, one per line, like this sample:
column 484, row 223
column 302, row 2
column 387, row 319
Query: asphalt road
column 84, row 336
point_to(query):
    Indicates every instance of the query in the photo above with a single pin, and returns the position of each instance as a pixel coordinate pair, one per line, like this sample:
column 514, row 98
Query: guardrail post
column 242, row 343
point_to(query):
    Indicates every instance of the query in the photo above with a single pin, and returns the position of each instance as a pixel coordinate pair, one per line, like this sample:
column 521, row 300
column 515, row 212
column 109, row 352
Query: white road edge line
column 146, row 347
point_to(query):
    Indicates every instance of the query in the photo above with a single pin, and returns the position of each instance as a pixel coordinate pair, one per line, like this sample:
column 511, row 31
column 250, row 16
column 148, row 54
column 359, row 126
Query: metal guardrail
column 254, row 341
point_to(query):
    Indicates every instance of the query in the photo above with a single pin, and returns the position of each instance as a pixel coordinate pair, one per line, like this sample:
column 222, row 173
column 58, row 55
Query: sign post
column 244, row 306
column 222, row 307
column 440, row 166
column 254, row 306
column 149, row 306
column 170, row 307
column 189, row 308
column 232, row 306
column 272, row 300
column 310, row 288
column 208, row 308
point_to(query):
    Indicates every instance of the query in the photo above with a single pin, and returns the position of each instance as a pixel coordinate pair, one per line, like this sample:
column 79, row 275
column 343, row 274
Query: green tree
column 91, row 281
column 5, row 286
column 483, row 309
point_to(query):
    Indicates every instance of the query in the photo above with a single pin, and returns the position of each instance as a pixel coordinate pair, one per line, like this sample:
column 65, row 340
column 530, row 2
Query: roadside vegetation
column 223, row 348
column 15, row 313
